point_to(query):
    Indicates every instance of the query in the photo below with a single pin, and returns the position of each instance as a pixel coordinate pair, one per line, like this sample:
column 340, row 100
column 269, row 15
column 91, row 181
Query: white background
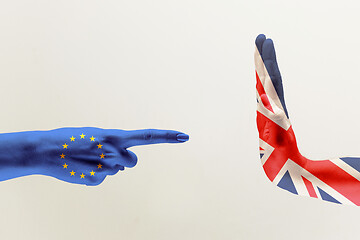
column 185, row 65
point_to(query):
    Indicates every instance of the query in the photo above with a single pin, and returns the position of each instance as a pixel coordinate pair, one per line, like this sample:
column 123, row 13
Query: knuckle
column 148, row 135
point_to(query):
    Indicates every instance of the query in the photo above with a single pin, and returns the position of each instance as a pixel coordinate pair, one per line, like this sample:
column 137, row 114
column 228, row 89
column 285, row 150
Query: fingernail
column 182, row 137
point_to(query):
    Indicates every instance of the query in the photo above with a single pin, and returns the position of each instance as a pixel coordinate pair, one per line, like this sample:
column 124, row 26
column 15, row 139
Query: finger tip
column 268, row 50
column 260, row 38
column 133, row 161
column 127, row 159
column 268, row 43
column 259, row 42
column 182, row 137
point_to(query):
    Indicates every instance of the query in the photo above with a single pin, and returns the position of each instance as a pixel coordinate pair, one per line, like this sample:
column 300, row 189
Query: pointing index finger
column 152, row 136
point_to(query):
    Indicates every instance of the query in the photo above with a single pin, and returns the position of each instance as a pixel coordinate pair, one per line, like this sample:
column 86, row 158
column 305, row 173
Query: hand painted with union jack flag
column 335, row 180
column 76, row 155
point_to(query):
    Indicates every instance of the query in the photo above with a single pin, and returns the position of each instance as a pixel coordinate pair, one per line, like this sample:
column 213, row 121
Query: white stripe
column 280, row 174
column 278, row 116
column 267, row 150
column 347, row 168
column 266, row 80
column 316, row 191
column 299, row 183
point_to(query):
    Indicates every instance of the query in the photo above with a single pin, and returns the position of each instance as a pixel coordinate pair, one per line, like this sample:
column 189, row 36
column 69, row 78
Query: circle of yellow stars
column 72, row 139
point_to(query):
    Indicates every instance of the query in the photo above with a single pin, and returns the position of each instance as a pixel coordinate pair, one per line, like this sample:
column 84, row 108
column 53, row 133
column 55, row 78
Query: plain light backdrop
column 185, row 65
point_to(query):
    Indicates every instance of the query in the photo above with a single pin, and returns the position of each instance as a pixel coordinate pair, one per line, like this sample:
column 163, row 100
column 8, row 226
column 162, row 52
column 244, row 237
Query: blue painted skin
column 76, row 155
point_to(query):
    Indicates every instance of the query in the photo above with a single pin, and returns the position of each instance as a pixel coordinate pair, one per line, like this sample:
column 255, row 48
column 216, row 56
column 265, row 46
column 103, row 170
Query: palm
column 272, row 119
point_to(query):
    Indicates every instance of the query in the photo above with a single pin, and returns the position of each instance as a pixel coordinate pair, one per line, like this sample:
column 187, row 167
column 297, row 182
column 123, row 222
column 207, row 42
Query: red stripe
column 273, row 134
column 274, row 164
column 309, row 187
column 335, row 177
column 261, row 91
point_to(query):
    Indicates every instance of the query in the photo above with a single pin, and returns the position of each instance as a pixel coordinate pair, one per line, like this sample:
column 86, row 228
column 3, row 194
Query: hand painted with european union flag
column 76, row 155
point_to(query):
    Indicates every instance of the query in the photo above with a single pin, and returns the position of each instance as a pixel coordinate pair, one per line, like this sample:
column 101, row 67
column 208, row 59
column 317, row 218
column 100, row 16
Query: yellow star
column 62, row 155
column 102, row 156
column 99, row 145
column 65, row 165
column 72, row 139
column 82, row 136
column 82, row 175
column 72, row 173
column 92, row 139
column 65, row 145
column 92, row 173
column 99, row 166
